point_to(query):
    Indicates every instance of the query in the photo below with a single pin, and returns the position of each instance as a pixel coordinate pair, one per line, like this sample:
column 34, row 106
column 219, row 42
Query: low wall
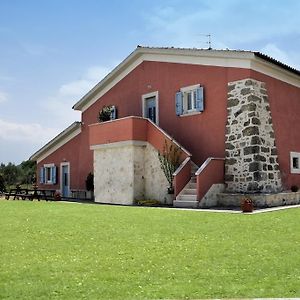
column 128, row 171
column 211, row 172
column 260, row 200
column 182, row 176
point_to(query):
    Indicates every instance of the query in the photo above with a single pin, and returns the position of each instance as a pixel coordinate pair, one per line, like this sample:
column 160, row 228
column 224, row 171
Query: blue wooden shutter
column 42, row 175
column 199, row 99
column 179, row 103
column 113, row 113
column 53, row 173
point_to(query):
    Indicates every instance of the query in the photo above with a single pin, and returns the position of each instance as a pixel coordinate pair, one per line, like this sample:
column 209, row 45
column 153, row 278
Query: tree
column 2, row 184
column 28, row 172
column 169, row 160
column 15, row 175
column 11, row 174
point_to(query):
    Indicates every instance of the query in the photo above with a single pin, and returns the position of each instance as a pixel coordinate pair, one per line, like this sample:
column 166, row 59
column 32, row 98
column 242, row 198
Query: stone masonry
column 251, row 163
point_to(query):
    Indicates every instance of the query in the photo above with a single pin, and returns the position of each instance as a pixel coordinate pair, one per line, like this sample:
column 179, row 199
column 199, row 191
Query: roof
column 61, row 139
column 229, row 58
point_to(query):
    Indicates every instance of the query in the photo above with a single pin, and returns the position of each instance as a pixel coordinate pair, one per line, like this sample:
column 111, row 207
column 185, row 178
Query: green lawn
column 73, row 251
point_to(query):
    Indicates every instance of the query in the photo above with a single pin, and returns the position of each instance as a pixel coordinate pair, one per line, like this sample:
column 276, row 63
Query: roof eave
column 81, row 103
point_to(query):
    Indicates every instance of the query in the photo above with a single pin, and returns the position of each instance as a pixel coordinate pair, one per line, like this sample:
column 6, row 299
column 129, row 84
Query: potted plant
column 57, row 196
column 294, row 188
column 105, row 113
column 247, row 204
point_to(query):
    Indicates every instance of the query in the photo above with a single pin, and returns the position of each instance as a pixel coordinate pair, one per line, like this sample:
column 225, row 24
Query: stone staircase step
column 184, row 197
column 191, row 185
column 186, row 204
column 189, row 191
column 193, row 179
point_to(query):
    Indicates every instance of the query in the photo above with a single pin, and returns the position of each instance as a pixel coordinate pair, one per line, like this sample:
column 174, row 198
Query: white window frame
column 144, row 98
column 46, row 179
column 297, row 156
column 185, row 91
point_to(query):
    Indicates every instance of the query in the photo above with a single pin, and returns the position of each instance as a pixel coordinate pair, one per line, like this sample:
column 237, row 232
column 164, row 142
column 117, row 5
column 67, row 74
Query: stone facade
column 260, row 200
column 251, row 163
column 128, row 171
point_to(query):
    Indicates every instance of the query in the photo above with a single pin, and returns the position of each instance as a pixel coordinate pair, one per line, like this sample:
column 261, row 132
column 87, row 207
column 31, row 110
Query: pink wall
column 207, row 128
column 130, row 129
column 79, row 169
column 182, row 176
column 285, row 111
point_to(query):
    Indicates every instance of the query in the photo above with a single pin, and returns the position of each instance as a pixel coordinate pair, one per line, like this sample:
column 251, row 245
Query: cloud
column 81, row 86
column 3, row 97
column 28, row 132
column 59, row 105
column 232, row 23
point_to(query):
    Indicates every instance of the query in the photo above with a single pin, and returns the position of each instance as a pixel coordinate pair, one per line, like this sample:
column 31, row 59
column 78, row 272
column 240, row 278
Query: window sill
column 192, row 113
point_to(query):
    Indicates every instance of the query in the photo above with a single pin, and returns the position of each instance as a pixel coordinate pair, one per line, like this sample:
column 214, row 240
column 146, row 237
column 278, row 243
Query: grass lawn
column 73, row 251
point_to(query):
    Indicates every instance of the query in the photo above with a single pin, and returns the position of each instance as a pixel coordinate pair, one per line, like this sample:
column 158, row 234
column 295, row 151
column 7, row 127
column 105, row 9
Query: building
column 234, row 114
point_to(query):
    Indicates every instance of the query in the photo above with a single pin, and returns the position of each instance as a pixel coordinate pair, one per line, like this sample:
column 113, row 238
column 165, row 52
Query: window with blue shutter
column 179, row 103
column 48, row 174
column 199, row 99
column 42, row 175
column 190, row 100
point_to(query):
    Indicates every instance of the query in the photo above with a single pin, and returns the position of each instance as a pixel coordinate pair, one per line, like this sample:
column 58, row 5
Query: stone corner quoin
column 251, row 162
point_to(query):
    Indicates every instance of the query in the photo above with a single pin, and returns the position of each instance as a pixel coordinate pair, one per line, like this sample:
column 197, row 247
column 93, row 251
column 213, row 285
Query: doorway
column 65, row 179
column 150, row 106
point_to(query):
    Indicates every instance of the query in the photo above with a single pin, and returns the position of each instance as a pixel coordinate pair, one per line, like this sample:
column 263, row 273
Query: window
column 295, row 162
column 113, row 112
column 48, row 174
column 189, row 100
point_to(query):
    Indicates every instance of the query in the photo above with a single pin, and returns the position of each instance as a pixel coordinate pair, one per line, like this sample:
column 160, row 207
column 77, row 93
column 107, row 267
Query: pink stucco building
column 235, row 114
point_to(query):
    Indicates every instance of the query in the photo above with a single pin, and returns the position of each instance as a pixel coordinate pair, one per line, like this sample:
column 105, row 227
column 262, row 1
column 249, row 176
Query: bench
column 30, row 194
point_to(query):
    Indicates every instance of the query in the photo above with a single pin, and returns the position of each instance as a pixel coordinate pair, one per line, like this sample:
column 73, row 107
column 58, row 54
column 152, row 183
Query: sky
column 52, row 52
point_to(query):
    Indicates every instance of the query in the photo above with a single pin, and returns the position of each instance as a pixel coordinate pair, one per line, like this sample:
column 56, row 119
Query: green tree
column 2, row 184
column 28, row 171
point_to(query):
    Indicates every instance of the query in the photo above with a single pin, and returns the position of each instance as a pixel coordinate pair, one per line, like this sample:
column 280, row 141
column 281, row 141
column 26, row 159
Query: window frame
column 144, row 99
column 185, row 92
column 48, row 167
column 293, row 155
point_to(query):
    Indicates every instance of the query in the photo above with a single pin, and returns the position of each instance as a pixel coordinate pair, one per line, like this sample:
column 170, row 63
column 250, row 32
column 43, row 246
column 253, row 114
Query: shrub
column 89, row 182
column 105, row 113
column 148, row 202
column 169, row 160
column 294, row 188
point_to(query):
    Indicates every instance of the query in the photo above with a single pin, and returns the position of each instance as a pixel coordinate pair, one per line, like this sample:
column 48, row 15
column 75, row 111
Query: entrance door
column 65, row 176
column 150, row 108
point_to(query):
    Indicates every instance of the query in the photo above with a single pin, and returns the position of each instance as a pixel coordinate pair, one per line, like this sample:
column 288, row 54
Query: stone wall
column 251, row 163
column 128, row 171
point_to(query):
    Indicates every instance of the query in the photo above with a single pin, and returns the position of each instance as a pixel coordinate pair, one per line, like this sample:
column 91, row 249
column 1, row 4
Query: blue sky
column 53, row 51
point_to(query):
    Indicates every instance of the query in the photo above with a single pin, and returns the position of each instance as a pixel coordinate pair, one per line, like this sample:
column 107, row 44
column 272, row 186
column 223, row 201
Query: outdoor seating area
column 30, row 194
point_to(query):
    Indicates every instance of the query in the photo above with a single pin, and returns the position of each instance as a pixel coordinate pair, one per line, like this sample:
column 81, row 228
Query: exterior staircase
column 188, row 196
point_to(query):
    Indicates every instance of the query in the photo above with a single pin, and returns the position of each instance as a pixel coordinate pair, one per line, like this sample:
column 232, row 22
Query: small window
column 48, row 174
column 189, row 100
column 295, row 162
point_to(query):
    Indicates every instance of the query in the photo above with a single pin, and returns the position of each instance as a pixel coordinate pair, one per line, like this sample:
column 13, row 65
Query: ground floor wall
column 77, row 155
column 125, row 172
